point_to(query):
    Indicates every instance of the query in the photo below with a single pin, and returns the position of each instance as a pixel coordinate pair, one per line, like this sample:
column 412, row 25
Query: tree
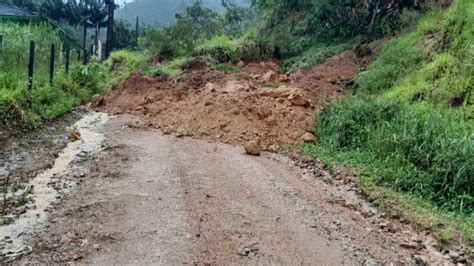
column 78, row 14
column 233, row 17
column 53, row 9
column 28, row 4
column 98, row 13
column 124, row 37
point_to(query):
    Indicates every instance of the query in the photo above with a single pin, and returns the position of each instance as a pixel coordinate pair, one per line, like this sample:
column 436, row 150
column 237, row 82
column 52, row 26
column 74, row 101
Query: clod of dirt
column 308, row 138
column 253, row 148
column 197, row 63
column 97, row 101
column 299, row 100
column 74, row 136
column 362, row 50
column 350, row 205
column 273, row 148
column 269, row 77
column 241, row 64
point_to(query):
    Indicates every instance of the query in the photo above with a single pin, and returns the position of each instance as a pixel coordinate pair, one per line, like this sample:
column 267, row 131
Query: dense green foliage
column 20, row 107
column 303, row 32
column 411, row 119
column 124, row 36
column 201, row 31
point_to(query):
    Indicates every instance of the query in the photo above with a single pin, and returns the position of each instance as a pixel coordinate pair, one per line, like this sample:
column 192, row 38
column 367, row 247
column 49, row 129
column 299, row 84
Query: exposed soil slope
column 234, row 108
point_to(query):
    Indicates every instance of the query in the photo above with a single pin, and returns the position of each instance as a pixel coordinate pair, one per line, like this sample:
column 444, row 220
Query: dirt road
column 146, row 198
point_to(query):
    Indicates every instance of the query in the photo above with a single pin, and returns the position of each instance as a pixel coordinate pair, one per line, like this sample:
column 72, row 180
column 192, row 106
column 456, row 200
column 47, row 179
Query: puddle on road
column 11, row 236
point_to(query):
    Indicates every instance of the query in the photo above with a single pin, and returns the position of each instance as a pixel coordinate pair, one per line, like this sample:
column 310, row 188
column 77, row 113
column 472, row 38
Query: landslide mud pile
column 233, row 108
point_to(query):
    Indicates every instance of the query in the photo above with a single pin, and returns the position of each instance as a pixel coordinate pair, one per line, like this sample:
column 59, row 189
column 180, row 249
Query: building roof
column 13, row 11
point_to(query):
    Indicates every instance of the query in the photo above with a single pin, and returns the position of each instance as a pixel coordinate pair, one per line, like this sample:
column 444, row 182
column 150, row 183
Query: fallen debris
column 308, row 138
column 233, row 108
column 74, row 136
column 253, row 148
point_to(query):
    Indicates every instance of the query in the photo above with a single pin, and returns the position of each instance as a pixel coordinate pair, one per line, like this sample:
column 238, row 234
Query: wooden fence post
column 67, row 60
column 51, row 65
column 84, row 57
column 31, row 64
column 136, row 33
column 1, row 44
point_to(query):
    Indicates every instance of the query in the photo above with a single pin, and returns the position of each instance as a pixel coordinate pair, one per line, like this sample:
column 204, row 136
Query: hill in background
column 160, row 13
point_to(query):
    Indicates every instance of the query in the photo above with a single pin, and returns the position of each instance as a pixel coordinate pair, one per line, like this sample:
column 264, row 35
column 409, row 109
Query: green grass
column 274, row 85
column 313, row 56
column 410, row 122
column 21, row 108
column 172, row 68
column 249, row 47
column 227, row 68
column 221, row 48
column 122, row 63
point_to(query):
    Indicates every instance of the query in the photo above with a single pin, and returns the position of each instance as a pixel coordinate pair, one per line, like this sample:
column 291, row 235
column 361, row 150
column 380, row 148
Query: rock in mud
column 167, row 131
column 308, row 138
column 273, row 148
column 253, row 148
column 194, row 64
column 298, row 100
column 74, row 136
column 350, row 204
column 181, row 132
column 270, row 76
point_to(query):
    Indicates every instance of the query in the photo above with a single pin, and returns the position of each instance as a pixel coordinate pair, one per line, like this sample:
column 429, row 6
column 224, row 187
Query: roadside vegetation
column 409, row 122
column 22, row 108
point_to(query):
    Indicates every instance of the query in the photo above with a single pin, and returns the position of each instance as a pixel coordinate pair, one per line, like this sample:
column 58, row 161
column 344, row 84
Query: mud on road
column 255, row 104
column 149, row 198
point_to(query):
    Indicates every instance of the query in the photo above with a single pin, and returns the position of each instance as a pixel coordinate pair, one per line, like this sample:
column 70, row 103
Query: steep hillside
column 158, row 13
column 411, row 119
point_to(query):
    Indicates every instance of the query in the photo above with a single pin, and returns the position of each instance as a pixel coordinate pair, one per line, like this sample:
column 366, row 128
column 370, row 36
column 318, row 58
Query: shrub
column 122, row 63
column 221, row 48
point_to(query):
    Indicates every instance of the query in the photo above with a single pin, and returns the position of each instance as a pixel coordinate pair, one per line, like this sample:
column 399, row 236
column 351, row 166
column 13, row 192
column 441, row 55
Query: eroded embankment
column 256, row 104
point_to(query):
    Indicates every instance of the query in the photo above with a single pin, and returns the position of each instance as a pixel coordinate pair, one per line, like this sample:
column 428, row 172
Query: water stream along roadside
column 43, row 194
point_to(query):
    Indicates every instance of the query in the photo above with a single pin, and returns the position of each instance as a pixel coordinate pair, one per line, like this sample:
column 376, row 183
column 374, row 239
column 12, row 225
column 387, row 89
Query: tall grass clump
column 416, row 149
column 221, row 48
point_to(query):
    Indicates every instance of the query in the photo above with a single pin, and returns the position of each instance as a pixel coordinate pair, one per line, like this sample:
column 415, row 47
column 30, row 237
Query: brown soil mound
column 234, row 108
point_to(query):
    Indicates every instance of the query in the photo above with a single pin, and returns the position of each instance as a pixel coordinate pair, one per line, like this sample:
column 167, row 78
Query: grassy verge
column 410, row 123
column 21, row 108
